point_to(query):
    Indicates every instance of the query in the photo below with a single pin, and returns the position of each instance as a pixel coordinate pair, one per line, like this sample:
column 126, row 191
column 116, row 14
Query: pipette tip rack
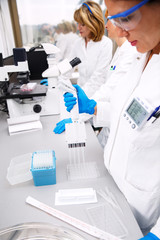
column 43, row 168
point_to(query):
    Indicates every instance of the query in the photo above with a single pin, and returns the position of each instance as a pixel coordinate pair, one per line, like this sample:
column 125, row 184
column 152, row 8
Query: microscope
column 26, row 97
column 20, row 67
column 33, row 98
column 22, row 96
column 63, row 69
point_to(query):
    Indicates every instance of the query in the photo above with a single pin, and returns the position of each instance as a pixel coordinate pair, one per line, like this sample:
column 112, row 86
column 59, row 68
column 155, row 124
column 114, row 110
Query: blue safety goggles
column 128, row 19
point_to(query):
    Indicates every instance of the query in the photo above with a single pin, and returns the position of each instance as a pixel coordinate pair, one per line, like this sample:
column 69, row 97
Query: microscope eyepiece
column 74, row 62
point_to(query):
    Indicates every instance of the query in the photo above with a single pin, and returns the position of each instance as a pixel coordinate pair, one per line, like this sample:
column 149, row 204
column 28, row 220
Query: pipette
column 71, row 220
column 75, row 132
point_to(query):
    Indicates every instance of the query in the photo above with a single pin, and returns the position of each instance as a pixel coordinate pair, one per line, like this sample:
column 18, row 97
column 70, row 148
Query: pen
column 154, row 113
column 157, row 115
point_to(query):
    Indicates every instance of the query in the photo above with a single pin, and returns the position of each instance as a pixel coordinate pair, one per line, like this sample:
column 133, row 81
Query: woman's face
column 146, row 35
column 84, row 30
column 111, row 29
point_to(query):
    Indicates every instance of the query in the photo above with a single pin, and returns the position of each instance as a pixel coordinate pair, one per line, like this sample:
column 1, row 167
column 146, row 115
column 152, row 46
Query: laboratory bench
column 13, row 207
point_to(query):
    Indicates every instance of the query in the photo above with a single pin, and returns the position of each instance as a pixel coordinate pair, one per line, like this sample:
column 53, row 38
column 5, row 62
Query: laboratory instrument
column 71, row 220
column 33, row 103
column 51, row 75
column 86, row 105
column 78, row 167
column 56, row 69
column 61, row 68
column 138, row 112
column 20, row 102
column 42, row 100
column 21, row 65
column 38, row 231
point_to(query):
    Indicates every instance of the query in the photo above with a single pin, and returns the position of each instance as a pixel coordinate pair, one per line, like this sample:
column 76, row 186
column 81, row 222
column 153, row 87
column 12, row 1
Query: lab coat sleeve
column 103, row 98
column 156, row 229
column 105, row 91
column 102, row 118
column 84, row 117
column 99, row 75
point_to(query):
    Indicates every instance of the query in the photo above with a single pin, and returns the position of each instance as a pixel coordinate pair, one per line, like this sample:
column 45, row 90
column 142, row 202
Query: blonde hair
column 67, row 27
column 93, row 20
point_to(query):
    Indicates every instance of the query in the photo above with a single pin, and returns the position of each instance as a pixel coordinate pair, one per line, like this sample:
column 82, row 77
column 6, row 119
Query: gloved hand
column 44, row 82
column 60, row 126
column 150, row 236
column 86, row 105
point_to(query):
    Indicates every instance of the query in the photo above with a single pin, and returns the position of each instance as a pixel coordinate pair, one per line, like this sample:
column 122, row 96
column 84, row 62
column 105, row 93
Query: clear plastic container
column 38, row 231
column 19, row 169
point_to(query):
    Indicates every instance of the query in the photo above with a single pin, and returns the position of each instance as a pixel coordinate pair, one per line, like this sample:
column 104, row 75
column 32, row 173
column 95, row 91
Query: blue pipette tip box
column 44, row 173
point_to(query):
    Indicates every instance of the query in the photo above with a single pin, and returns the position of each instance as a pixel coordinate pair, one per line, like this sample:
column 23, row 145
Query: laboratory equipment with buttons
column 138, row 112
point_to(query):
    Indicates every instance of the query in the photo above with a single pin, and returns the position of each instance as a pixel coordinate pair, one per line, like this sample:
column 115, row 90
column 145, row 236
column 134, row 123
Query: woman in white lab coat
column 119, row 66
column 132, row 155
column 93, row 48
column 64, row 39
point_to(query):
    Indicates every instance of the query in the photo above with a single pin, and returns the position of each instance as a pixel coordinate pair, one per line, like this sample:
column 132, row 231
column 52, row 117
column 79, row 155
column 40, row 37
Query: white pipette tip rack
column 43, row 167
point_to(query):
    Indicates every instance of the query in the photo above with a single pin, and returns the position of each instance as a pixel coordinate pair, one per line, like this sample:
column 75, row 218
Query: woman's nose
column 106, row 25
column 79, row 26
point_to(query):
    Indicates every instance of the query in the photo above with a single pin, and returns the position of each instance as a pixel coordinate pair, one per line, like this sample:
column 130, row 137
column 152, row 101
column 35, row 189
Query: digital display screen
column 137, row 112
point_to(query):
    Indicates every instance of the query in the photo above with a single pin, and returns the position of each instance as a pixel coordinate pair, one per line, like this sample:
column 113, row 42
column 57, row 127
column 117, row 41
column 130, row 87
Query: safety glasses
column 128, row 19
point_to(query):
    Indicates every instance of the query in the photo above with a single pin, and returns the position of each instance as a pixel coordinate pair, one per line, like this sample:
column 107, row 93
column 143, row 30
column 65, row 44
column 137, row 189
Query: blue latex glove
column 150, row 236
column 60, row 126
column 44, row 82
column 86, row 105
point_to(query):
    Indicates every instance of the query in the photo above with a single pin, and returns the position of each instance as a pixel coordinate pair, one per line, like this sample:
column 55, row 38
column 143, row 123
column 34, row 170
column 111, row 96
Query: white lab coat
column 122, row 60
column 65, row 44
column 95, row 59
column 133, row 156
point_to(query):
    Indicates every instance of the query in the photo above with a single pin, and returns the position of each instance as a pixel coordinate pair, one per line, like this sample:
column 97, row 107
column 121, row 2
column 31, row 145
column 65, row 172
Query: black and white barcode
column 74, row 145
